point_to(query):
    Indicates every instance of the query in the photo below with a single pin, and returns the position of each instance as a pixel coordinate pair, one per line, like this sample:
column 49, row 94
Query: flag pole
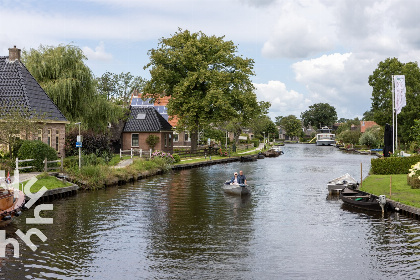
column 393, row 124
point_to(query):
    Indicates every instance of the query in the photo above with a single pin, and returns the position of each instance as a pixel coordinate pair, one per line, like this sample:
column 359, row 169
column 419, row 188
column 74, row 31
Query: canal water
column 182, row 226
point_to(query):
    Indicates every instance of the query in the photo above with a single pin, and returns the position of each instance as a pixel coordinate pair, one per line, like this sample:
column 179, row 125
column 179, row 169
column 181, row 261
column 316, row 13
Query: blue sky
column 305, row 52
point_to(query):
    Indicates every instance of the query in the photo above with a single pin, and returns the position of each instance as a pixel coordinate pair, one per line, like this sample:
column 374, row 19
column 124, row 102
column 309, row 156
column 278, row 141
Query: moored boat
column 362, row 200
column 325, row 137
column 344, row 181
column 236, row 189
column 11, row 203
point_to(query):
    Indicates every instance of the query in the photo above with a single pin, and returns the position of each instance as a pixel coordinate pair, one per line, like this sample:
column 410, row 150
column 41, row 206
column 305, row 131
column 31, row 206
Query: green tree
column 235, row 125
column 349, row 136
column 368, row 139
column 67, row 80
column 368, row 116
column 278, row 120
column 18, row 124
column 263, row 125
column 292, row 126
column 208, row 83
column 381, row 83
column 118, row 88
column 318, row 115
column 347, row 125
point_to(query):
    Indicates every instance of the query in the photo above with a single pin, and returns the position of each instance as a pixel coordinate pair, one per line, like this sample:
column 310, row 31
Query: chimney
column 14, row 54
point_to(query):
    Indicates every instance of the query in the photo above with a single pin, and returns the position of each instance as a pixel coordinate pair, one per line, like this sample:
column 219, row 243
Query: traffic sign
column 78, row 144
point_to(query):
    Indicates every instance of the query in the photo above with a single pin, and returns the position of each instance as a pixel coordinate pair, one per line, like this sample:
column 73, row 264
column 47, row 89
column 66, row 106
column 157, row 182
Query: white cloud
column 338, row 79
column 299, row 32
column 98, row 54
column 283, row 102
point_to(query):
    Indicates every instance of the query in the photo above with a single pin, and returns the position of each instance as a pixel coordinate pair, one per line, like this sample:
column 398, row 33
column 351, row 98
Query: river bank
column 181, row 224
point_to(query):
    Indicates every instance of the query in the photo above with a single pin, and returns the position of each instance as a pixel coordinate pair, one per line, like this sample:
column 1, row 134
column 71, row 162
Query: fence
column 198, row 153
column 46, row 162
column 23, row 167
column 139, row 152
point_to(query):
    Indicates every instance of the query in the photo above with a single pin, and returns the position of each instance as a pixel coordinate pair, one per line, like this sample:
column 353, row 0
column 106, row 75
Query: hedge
column 393, row 165
column 37, row 151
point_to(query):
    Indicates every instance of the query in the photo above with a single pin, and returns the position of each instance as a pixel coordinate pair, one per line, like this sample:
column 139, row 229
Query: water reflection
column 181, row 225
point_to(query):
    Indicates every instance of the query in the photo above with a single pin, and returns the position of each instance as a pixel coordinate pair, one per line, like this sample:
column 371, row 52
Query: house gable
column 146, row 119
column 19, row 89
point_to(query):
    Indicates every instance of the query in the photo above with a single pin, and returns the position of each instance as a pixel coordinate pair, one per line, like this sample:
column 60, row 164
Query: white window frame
column 138, row 140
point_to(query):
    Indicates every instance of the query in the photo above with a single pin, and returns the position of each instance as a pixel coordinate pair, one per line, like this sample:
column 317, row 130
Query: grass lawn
column 214, row 157
column 401, row 191
column 49, row 182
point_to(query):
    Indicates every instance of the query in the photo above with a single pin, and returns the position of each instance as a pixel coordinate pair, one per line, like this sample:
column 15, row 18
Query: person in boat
column 234, row 179
column 241, row 178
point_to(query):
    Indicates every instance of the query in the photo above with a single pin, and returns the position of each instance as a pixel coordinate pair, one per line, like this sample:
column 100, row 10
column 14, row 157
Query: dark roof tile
column 152, row 122
column 19, row 89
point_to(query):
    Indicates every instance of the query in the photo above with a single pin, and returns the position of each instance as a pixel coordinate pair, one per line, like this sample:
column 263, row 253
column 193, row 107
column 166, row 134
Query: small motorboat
column 363, row 200
column 345, row 181
column 236, row 189
column 11, row 203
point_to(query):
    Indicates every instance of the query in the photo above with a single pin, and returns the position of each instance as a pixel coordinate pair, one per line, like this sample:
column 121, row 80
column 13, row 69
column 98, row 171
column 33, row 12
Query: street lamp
column 264, row 137
column 79, row 139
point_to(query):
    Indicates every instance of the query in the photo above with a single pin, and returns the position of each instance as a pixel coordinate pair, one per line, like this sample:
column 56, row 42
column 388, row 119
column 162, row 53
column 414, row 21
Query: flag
column 400, row 102
column 8, row 180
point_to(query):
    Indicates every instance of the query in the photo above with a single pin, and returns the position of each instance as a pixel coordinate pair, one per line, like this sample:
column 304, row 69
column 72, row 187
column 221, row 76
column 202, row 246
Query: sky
column 304, row 52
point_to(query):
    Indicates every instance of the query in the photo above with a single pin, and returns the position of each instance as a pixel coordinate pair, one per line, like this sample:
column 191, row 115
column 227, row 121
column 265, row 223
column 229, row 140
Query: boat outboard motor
column 382, row 201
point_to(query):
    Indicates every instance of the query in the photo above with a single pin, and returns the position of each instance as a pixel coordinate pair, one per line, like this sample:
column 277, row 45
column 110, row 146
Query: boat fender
column 6, row 218
column 18, row 213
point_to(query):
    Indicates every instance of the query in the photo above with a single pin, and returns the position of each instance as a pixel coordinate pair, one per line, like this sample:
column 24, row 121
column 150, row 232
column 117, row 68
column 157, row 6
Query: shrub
column 413, row 178
column 71, row 162
column 38, row 151
column 393, row 165
column 368, row 139
column 152, row 140
column 93, row 143
column 256, row 142
column 349, row 136
column 167, row 157
column 176, row 157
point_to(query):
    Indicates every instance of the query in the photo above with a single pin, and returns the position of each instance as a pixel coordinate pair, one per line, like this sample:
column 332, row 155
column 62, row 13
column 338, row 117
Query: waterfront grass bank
column 400, row 190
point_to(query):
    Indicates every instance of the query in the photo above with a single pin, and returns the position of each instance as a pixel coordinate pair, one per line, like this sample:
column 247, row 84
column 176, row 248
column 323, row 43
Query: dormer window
column 141, row 116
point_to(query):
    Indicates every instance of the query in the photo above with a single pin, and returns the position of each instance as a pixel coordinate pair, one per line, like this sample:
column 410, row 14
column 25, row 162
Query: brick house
column 366, row 124
column 145, row 121
column 180, row 138
column 19, row 89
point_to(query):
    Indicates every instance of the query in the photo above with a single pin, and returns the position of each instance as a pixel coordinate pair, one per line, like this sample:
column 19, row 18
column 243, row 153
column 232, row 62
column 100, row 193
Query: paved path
column 260, row 147
column 124, row 163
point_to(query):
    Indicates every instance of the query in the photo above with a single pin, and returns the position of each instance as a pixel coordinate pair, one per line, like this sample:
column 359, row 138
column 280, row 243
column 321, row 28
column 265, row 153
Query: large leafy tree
column 278, row 120
column 263, row 125
column 318, row 115
column 118, row 88
column 67, row 80
column 18, row 124
column 208, row 83
column 292, row 125
column 381, row 83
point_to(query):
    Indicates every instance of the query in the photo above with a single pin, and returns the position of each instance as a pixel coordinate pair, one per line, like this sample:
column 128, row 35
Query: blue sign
column 78, row 144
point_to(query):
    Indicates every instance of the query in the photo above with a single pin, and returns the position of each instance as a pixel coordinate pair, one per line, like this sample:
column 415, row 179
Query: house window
column 186, row 137
column 134, row 139
column 176, row 137
column 49, row 138
column 170, row 138
column 56, row 139
column 40, row 134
